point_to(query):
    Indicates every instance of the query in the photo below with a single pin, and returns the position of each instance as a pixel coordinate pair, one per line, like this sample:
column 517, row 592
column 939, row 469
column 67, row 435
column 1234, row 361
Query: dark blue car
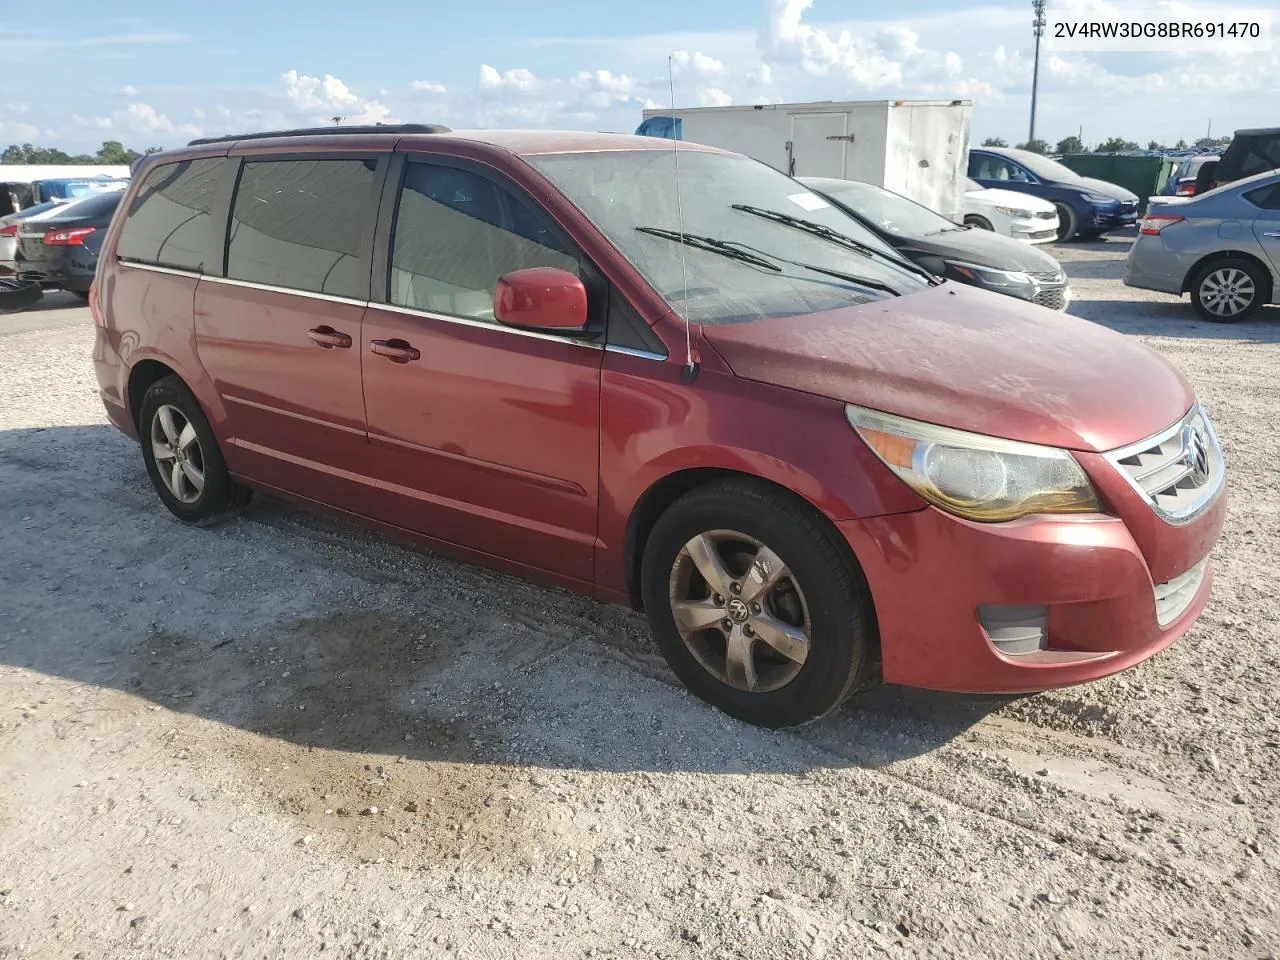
column 1087, row 208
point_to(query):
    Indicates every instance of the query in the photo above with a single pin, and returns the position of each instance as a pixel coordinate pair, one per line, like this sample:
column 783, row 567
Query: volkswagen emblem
column 1195, row 454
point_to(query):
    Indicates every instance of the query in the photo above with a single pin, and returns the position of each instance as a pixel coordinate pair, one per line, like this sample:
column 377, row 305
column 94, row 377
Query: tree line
column 113, row 153
column 1114, row 145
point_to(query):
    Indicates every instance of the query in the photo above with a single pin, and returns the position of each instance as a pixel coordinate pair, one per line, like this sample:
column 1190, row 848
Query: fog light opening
column 1015, row 630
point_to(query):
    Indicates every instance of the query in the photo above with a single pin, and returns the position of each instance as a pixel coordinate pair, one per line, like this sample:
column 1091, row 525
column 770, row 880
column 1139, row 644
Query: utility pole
column 1038, row 25
column 1209, row 134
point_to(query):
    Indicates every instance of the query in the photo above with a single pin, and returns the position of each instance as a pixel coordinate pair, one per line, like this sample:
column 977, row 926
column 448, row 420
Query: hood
column 965, row 358
column 1104, row 189
column 1009, row 198
column 984, row 248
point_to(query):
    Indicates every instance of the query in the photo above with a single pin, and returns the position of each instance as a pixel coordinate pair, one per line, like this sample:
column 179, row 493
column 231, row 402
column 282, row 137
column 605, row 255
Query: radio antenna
column 690, row 367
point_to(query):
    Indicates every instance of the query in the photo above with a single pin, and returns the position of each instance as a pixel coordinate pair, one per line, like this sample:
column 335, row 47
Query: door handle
column 328, row 337
column 396, row 351
column 1273, row 236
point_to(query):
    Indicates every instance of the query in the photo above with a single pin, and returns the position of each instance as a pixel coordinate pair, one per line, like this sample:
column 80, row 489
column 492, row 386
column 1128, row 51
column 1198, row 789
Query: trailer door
column 818, row 143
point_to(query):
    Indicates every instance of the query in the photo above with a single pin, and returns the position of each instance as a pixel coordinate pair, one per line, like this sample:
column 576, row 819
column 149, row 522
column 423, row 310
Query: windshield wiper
column 748, row 254
column 712, row 245
column 835, row 236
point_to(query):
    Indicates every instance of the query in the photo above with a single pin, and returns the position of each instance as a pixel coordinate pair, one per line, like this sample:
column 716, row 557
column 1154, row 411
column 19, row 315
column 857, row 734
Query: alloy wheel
column 740, row 611
column 1227, row 292
column 178, row 456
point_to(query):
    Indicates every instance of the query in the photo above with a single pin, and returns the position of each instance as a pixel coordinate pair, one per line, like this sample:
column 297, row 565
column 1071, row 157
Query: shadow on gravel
column 1174, row 318
column 403, row 654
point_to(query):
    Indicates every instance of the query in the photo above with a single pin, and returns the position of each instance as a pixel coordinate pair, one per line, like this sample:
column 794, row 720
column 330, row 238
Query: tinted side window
column 304, row 224
column 1268, row 198
column 168, row 220
column 456, row 233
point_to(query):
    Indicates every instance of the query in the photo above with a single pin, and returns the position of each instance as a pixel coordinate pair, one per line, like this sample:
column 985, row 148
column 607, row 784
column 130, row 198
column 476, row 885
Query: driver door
column 480, row 435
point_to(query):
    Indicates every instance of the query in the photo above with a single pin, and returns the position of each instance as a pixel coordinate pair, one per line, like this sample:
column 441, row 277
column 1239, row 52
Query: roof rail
column 328, row 132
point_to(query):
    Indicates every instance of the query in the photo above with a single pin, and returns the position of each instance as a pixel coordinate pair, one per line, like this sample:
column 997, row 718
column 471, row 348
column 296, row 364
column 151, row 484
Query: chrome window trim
column 482, row 325
column 1210, row 490
column 251, row 285
column 634, row 352
column 156, row 268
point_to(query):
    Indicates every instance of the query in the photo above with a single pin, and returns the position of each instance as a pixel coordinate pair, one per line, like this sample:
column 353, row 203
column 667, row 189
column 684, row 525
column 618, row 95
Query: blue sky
column 170, row 71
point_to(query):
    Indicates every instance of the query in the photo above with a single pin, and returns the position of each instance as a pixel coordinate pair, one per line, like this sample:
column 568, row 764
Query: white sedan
column 1017, row 215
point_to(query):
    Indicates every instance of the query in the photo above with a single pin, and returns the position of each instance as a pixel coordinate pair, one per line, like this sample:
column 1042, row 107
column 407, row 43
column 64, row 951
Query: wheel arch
column 665, row 491
column 1231, row 255
column 145, row 368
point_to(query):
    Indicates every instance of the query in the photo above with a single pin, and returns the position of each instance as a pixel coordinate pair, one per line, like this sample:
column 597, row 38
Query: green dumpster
column 1144, row 175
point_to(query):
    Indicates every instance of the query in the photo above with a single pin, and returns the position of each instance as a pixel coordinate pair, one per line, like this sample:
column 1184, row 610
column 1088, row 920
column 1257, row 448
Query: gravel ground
column 285, row 735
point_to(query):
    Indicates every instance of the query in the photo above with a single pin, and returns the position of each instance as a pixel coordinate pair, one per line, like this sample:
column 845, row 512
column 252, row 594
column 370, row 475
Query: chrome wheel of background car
column 178, row 456
column 740, row 611
column 1227, row 292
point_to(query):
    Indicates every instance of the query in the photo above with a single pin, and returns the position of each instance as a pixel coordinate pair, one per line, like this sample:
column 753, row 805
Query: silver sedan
column 1222, row 247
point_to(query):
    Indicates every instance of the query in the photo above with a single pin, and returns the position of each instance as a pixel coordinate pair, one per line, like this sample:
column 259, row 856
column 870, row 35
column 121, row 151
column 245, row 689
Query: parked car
column 9, row 233
column 60, row 248
column 967, row 255
column 71, row 188
column 715, row 397
column 1250, row 152
column 1182, row 179
column 1222, row 247
column 1017, row 215
column 1087, row 208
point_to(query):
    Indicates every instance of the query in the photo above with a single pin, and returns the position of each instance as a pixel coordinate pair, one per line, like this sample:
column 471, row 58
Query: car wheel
column 755, row 605
column 1066, row 222
column 1228, row 290
column 183, row 458
column 977, row 222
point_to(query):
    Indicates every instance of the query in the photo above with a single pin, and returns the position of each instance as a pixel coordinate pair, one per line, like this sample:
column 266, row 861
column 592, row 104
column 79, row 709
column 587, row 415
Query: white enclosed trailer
column 918, row 148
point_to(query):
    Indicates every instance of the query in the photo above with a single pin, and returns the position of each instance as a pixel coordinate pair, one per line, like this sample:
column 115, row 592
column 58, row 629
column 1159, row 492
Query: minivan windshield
column 756, row 244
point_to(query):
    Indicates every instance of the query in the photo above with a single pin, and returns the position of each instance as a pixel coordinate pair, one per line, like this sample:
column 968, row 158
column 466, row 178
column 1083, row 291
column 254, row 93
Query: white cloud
column 143, row 118
column 11, row 132
column 18, row 108
column 327, row 97
column 426, row 86
column 699, row 64
column 129, row 90
column 714, row 97
column 518, row 79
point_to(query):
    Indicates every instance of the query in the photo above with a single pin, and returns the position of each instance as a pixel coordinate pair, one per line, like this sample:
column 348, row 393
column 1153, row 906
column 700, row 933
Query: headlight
column 973, row 476
column 1015, row 212
column 989, row 276
column 1094, row 198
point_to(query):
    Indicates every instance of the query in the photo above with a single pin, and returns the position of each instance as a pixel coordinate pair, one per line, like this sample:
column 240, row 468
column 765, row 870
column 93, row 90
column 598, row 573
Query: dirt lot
column 285, row 735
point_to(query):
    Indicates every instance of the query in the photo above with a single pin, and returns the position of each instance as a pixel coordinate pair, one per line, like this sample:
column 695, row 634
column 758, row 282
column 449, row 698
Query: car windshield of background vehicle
column 889, row 211
column 622, row 191
column 1047, row 169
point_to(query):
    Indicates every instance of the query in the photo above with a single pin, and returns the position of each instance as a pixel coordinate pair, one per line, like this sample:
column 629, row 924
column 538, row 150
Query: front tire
column 755, row 604
column 1067, row 222
column 977, row 222
column 182, row 456
column 1228, row 290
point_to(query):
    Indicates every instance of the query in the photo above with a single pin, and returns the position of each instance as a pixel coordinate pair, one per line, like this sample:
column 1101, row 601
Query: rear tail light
column 1187, row 189
column 68, row 238
column 1152, row 224
column 9, row 230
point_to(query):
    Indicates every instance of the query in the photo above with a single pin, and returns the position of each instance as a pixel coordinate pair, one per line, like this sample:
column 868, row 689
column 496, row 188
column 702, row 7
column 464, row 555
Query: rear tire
column 786, row 598
column 978, row 223
column 1228, row 290
column 1067, row 223
column 182, row 456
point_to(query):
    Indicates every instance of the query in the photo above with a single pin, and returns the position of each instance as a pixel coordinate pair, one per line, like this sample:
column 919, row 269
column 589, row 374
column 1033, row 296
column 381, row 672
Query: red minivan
column 666, row 376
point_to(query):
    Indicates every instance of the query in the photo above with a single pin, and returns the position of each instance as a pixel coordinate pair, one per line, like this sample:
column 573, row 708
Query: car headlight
column 1094, row 198
column 989, row 276
column 974, row 476
column 1016, row 212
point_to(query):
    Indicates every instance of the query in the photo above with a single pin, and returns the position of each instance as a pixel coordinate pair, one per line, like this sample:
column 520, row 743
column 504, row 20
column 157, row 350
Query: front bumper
column 1115, row 217
column 930, row 572
column 1035, row 230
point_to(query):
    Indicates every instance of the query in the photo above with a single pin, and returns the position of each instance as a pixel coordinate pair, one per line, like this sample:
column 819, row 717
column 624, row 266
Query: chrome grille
column 1055, row 299
column 1174, row 596
column 1054, row 276
column 1179, row 470
column 1042, row 234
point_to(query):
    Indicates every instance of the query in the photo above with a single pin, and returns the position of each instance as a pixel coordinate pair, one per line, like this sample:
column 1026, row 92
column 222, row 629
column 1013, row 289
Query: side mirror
column 541, row 298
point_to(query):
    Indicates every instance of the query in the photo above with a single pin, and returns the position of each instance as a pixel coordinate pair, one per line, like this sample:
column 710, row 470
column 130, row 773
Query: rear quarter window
column 167, row 223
